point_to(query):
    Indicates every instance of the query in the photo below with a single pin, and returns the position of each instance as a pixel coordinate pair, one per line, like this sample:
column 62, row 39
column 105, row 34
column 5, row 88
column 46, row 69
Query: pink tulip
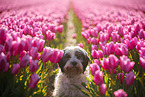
column 94, row 67
column 130, row 77
column 85, row 35
column 110, row 30
column 125, row 64
column 142, row 52
column 140, row 43
column 94, row 41
column 1, row 48
column 109, row 47
column 47, row 54
column 60, row 28
column 56, row 56
column 74, row 36
column 49, row 35
column 80, row 45
column 24, row 61
column 97, row 61
column 120, row 31
column 98, row 77
column 97, row 54
column 142, row 62
column 121, row 49
column 34, row 78
column 23, row 53
column 41, row 45
column 52, row 28
column 102, row 89
column 114, row 37
column 113, row 61
column 33, row 65
column 94, row 32
column 34, row 52
column 120, row 93
column 94, row 47
column 141, row 34
column 28, row 43
column 120, row 77
column 15, row 69
column 105, row 63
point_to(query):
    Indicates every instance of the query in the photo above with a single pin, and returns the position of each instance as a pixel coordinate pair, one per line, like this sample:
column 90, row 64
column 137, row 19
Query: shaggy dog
column 72, row 71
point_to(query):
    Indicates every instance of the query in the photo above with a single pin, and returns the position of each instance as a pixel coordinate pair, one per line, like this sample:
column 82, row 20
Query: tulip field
column 33, row 34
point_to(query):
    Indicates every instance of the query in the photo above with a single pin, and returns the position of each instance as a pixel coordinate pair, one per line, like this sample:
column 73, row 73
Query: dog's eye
column 67, row 56
column 79, row 56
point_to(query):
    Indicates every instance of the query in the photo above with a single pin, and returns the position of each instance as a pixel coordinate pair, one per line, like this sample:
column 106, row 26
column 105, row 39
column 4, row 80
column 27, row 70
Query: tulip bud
column 80, row 45
column 33, row 52
column 60, row 28
column 120, row 93
column 113, row 61
column 105, row 63
column 98, row 77
column 130, row 77
column 15, row 69
column 102, row 89
column 34, row 78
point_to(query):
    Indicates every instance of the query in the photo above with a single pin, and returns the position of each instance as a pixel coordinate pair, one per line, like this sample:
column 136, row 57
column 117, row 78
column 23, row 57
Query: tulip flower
column 105, row 63
column 94, row 41
column 1, row 48
column 33, row 52
column 24, row 61
column 120, row 77
column 33, row 65
column 130, row 77
column 15, row 69
column 142, row 52
column 114, row 37
column 113, row 61
column 80, row 45
column 60, row 28
column 120, row 31
column 120, row 93
column 34, row 78
column 142, row 62
column 74, row 36
column 56, row 56
column 4, row 66
column 47, row 54
column 50, row 35
column 2, row 35
column 85, row 35
column 98, row 77
column 102, row 89
column 97, row 54
column 94, row 67
column 125, row 64
column 94, row 47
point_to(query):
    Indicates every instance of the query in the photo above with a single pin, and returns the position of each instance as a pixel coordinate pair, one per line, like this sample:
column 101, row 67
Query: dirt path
column 70, row 30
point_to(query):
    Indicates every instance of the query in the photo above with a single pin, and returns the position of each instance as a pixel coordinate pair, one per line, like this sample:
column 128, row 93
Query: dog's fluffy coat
column 72, row 71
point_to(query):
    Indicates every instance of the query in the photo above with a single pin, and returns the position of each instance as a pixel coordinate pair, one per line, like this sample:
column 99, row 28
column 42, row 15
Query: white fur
column 63, row 81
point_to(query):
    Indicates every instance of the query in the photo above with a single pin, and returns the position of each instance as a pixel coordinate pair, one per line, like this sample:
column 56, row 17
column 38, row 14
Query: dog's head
column 74, row 61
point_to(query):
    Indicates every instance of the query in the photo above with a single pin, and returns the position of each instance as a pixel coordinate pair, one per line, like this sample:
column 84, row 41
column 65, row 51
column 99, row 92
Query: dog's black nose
column 74, row 63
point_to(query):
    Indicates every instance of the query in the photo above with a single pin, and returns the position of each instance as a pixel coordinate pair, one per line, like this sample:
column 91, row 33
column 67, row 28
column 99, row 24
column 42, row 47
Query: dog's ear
column 61, row 63
column 86, row 61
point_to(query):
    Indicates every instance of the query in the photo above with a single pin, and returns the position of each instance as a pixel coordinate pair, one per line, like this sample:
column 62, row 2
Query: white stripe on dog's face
column 73, row 60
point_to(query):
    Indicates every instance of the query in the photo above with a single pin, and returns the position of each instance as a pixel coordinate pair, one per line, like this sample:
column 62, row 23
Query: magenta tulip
column 80, row 45
column 142, row 62
column 125, row 64
column 34, row 52
column 113, row 61
column 2, row 35
column 94, row 67
column 60, row 28
column 15, row 69
column 24, row 61
column 98, row 77
column 130, row 77
column 94, row 47
column 34, row 78
column 102, row 89
column 33, row 65
column 120, row 93
column 105, row 63
column 4, row 66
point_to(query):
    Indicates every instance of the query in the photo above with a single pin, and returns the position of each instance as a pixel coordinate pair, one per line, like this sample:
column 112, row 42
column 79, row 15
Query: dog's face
column 74, row 61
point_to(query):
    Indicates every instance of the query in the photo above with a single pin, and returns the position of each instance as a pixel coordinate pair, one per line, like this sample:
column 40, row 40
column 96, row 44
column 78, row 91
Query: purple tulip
column 47, row 54
column 94, row 67
column 34, row 78
column 98, row 77
column 142, row 62
column 97, row 54
column 102, row 89
column 33, row 65
column 130, row 77
column 120, row 93
column 34, row 52
column 120, row 77
column 1, row 48
column 125, row 64
column 4, row 66
column 24, row 61
column 15, row 69
column 141, row 34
